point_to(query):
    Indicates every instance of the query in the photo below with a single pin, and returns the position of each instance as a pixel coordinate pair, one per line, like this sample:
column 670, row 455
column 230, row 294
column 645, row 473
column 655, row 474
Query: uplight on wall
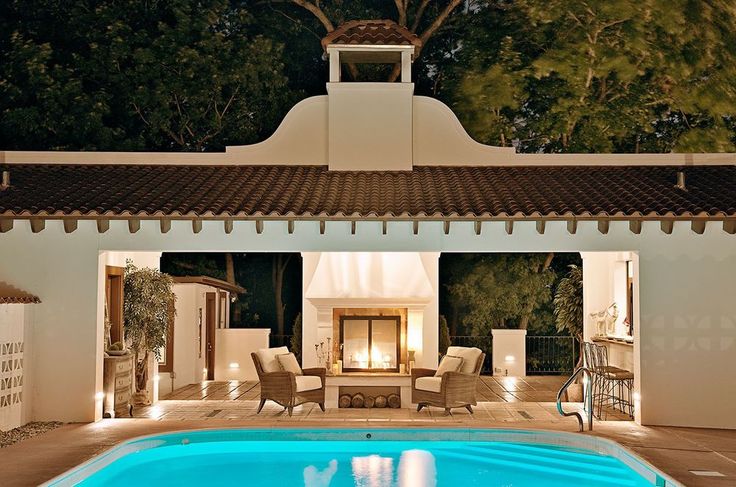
column 414, row 328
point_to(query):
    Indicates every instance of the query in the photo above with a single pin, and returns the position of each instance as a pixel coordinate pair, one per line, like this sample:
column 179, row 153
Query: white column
column 405, row 67
column 509, row 352
column 334, row 66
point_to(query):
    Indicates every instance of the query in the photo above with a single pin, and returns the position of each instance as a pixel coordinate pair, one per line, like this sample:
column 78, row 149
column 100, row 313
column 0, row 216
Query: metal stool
column 616, row 385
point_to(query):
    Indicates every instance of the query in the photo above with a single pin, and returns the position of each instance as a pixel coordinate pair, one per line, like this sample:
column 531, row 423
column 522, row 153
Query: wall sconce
column 234, row 365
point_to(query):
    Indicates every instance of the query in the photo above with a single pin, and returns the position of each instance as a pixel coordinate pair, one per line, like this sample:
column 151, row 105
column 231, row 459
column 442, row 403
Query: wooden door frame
column 114, row 277
column 211, row 326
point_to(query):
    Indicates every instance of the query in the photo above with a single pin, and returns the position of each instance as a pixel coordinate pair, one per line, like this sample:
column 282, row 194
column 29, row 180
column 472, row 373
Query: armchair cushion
column 469, row 355
column 308, row 383
column 267, row 357
column 288, row 363
column 449, row 364
column 429, row 384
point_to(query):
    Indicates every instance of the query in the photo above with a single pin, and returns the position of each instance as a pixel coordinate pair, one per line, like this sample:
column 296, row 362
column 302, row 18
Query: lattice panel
column 11, row 374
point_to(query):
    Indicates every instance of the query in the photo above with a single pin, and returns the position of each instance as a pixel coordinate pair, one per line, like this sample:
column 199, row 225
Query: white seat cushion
column 429, row 384
column 289, row 364
column 267, row 357
column 469, row 356
column 449, row 364
column 308, row 383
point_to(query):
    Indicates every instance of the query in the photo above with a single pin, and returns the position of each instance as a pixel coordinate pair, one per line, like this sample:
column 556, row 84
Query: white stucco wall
column 509, row 352
column 232, row 352
column 686, row 335
column 16, row 327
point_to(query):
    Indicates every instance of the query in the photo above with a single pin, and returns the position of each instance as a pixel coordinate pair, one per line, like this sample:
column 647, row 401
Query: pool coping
column 597, row 444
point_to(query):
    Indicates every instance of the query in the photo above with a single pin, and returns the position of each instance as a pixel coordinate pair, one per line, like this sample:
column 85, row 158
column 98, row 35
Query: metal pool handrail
column 588, row 398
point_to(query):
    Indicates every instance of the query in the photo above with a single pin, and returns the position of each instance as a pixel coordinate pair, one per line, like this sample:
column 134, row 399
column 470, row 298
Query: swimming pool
column 366, row 458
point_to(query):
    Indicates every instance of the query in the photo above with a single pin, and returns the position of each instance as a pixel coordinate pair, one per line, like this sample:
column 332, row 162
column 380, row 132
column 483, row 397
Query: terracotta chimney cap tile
column 371, row 33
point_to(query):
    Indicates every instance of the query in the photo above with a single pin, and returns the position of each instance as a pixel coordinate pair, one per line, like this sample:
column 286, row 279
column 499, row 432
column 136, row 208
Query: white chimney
column 370, row 123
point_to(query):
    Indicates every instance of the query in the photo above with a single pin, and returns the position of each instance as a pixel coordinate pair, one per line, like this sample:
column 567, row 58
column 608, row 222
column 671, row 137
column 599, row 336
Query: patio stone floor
column 676, row 451
column 490, row 389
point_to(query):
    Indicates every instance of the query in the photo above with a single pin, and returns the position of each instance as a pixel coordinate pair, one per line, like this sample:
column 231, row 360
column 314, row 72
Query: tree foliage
column 542, row 75
column 175, row 75
column 444, row 335
column 148, row 308
column 568, row 303
column 598, row 76
column 501, row 290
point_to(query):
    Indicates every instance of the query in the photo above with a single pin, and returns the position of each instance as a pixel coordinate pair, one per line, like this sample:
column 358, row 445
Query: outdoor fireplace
column 370, row 343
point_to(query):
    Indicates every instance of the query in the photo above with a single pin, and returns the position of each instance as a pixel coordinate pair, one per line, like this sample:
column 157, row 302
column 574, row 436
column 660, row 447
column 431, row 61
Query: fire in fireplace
column 370, row 343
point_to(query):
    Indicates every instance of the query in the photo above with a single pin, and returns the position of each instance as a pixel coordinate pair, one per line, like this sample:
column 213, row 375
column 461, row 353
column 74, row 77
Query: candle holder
column 324, row 355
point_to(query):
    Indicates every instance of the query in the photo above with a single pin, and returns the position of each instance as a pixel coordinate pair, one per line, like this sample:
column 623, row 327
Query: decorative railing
column 545, row 355
column 551, row 355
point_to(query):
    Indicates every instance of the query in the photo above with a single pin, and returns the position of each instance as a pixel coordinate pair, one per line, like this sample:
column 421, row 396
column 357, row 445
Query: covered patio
column 505, row 399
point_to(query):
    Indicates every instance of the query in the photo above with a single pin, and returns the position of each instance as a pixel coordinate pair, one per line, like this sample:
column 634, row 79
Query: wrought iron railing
column 551, row 355
column 545, row 355
column 485, row 343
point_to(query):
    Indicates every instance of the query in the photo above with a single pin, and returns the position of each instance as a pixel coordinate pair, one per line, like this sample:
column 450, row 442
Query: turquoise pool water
column 361, row 458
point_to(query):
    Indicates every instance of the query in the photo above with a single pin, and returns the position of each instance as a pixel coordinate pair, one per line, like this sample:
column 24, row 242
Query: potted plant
column 148, row 308
column 568, row 303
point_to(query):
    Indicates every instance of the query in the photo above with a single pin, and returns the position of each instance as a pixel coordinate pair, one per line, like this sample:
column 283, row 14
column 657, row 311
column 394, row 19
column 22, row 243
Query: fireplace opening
column 370, row 343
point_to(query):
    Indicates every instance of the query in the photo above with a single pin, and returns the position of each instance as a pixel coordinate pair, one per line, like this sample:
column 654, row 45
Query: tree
column 280, row 261
column 296, row 338
column 122, row 75
column 568, row 303
column 444, row 335
column 597, row 76
column 503, row 290
column 148, row 310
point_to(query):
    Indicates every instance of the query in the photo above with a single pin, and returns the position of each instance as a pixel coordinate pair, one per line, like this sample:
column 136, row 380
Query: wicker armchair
column 456, row 389
column 283, row 388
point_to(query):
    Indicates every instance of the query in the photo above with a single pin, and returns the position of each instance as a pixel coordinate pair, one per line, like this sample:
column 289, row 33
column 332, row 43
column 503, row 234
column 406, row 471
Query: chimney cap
column 371, row 33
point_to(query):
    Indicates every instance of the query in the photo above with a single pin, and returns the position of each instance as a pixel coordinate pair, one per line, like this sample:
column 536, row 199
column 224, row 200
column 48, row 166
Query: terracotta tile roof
column 314, row 191
column 12, row 295
column 372, row 33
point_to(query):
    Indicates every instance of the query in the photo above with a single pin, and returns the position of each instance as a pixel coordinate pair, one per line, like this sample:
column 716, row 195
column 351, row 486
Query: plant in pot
column 568, row 304
column 148, row 308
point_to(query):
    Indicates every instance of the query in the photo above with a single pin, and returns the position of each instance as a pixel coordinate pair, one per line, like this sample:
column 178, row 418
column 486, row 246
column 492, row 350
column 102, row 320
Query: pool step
column 579, row 477
column 594, row 465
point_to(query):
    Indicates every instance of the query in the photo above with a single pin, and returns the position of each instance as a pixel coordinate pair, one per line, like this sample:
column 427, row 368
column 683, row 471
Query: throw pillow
column 289, row 364
column 448, row 364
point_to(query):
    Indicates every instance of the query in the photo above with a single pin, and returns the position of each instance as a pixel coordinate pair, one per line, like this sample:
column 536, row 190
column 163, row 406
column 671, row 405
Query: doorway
column 211, row 325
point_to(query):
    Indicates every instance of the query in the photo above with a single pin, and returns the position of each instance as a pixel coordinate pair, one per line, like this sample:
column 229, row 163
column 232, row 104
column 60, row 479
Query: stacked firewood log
column 360, row 400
